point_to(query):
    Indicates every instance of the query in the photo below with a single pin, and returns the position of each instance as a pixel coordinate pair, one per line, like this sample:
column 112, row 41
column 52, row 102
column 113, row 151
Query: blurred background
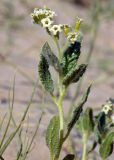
column 20, row 46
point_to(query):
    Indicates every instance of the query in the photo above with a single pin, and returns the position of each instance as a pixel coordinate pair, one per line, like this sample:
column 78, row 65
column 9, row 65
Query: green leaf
column 78, row 110
column 70, row 57
column 50, row 57
column 101, row 122
column 69, row 157
column 80, row 71
column 44, row 74
column 106, row 147
column 52, row 136
column 100, row 127
column 74, row 74
column 87, row 122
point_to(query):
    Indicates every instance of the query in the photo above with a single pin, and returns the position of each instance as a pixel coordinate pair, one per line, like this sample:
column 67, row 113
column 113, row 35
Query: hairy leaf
column 80, row 71
column 50, row 57
column 69, row 157
column 44, row 74
column 87, row 122
column 101, row 122
column 74, row 74
column 106, row 147
column 100, row 127
column 78, row 110
column 70, row 57
column 52, row 136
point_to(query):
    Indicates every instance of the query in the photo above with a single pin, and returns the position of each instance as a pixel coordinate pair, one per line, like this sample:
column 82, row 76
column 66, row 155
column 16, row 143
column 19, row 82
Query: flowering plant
column 69, row 71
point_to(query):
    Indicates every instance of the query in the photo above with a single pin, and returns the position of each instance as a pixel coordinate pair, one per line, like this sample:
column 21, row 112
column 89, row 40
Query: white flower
column 50, row 14
column 75, row 36
column 56, row 29
column 38, row 11
column 46, row 12
column 79, row 19
column 41, row 12
column 72, row 37
column 108, row 108
column 35, row 10
column 46, row 22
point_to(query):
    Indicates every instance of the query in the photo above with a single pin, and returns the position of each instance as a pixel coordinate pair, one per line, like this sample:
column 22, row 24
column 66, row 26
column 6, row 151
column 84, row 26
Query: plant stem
column 51, row 156
column 59, row 101
column 62, row 93
column 12, row 135
column 10, row 115
column 85, row 138
column 58, row 47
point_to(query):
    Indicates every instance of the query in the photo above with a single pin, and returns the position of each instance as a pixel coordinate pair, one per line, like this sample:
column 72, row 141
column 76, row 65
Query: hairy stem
column 85, row 138
column 59, row 101
column 58, row 47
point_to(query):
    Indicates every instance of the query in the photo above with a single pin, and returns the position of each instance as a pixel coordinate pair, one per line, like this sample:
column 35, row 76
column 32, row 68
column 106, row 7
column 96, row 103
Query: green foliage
column 87, row 122
column 69, row 71
column 69, row 157
column 74, row 74
column 100, row 127
column 78, row 110
column 50, row 57
column 44, row 74
column 85, row 125
column 101, row 122
column 52, row 136
column 70, row 57
column 106, row 147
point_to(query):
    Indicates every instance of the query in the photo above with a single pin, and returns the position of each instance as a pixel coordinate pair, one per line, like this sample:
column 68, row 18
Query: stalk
column 85, row 138
column 58, row 102
column 10, row 138
column 10, row 115
column 58, row 47
column 61, row 92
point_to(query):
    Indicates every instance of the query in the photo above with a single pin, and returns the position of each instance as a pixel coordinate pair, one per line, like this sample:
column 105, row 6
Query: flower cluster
column 108, row 108
column 44, row 17
column 40, row 14
column 75, row 36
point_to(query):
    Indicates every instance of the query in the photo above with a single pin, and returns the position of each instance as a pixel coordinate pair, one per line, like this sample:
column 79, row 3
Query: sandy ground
column 21, row 42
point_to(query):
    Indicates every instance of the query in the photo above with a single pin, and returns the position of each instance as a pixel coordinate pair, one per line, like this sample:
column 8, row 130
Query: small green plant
column 69, row 71
column 101, row 126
